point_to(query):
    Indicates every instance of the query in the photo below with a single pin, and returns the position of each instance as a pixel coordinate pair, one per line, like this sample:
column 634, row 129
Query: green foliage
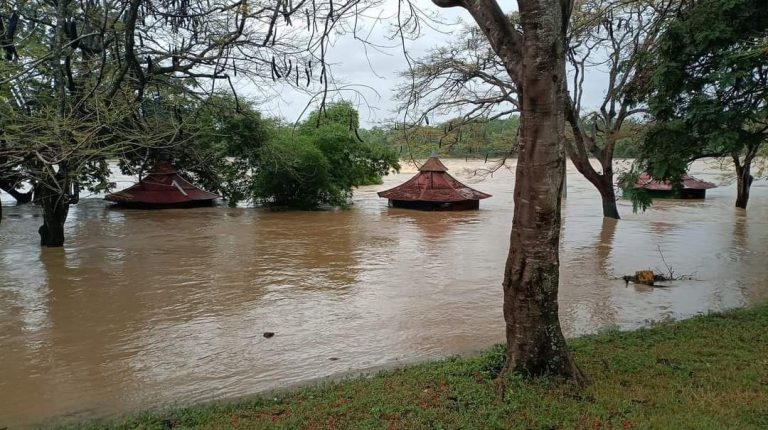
column 709, row 91
column 295, row 173
column 641, row 199
column 226, row 147
column 452, row 138
column 86, row 83
column 321, row 162
column 74, row 98
column 214, row 142
column 673, row 139
column 341, row 114
column 626, row 148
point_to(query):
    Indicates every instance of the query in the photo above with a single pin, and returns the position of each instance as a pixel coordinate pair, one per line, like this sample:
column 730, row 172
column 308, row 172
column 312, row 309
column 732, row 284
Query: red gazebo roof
column 162, row 186
column 647, row 182
column 433, row 184
column 433, row 164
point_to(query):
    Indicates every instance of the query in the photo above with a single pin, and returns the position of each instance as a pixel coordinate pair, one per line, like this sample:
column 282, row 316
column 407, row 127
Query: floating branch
column 648, row 277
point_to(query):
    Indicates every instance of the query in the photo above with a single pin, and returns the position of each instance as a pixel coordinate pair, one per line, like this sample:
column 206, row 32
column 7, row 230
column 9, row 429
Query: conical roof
column 645, row 180
column 162, row 186
column 433, row 164
column 433, row 184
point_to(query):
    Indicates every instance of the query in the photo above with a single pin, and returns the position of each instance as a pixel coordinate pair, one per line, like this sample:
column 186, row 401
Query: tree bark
column 579, row 152
column 743, row 183
column 608, row 195
column 55, row 207
column 536, row 345
column 603, row 182
column 604, row 185
column 535, row 61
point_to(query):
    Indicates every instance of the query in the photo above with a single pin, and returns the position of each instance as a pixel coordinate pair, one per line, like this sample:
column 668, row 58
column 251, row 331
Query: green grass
column 709, row 372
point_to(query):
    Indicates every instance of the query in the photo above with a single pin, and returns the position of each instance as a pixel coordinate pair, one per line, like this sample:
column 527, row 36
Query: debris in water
column 644, row 277
column 647, row 277
column 268, row 334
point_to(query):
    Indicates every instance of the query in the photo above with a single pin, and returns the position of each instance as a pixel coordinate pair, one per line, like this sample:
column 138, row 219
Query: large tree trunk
column 55, row 207
column 743, row 183
column 535, row 60
column 535, row 342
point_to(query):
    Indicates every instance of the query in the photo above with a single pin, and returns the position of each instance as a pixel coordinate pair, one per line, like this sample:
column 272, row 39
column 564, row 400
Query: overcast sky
column 370, row 75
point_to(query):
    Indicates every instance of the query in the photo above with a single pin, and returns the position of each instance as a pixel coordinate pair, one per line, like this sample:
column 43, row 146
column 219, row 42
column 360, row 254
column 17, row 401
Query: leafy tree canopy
column 320, row 162
column 709, row 91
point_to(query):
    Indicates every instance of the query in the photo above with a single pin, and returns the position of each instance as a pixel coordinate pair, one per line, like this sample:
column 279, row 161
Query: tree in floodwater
column 218, row 140
column 607, row 39
column 321, row 162
column 78, row 74
column 612, row 36
column 533, row 55
column 709, row 92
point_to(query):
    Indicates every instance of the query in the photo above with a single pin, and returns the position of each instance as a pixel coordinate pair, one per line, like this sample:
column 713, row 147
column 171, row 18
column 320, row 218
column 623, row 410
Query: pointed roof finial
column 433, row 164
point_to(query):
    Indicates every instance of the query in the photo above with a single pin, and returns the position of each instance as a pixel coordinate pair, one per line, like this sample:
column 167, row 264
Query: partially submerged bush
column 295, row 173
column 320, row 163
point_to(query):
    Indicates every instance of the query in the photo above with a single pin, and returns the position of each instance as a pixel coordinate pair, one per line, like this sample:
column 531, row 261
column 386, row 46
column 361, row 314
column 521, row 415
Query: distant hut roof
column 163, row 186
column 646, row 181
column 433, row 184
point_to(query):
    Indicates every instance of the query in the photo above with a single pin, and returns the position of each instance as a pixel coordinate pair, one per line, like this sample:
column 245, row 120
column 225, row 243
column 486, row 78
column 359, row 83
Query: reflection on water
column 153, row 307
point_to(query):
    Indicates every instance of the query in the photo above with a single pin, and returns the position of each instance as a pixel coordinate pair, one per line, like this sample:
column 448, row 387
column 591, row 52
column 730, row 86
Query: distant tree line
column 494, row 138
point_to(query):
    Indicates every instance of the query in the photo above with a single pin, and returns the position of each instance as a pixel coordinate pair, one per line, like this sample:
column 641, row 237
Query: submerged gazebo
column 162, row 188
column 691, row 188
column 434, row 189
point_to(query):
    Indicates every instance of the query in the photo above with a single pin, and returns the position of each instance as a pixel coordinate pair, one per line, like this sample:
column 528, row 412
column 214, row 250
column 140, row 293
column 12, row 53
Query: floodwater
column 147, row 308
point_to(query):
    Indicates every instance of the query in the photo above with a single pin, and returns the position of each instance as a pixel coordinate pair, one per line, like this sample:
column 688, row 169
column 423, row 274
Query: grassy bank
column 707, row 372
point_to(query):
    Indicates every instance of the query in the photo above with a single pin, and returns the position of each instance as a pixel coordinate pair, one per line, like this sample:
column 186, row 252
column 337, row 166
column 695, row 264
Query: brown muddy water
column 148, row 308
